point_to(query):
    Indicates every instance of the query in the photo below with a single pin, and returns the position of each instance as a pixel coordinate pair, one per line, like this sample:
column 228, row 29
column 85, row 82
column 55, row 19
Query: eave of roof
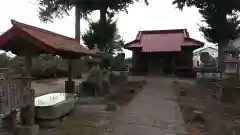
column 133, row 44
column 45, row 40
column 194, row 40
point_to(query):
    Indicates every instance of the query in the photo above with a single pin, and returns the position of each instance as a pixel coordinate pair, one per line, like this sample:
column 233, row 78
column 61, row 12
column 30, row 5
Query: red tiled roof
column 134, row 43
column 46, row 40
column 190, row 41
column 163, row 40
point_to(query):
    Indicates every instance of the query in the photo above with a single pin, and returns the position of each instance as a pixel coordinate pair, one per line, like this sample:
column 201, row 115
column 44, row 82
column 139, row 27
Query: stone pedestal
column 69, row 86
column 27, row 130
column 27, row 125
column 27, row 115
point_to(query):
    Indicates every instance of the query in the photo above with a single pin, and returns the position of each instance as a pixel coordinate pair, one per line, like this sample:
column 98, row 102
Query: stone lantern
column 96, row 61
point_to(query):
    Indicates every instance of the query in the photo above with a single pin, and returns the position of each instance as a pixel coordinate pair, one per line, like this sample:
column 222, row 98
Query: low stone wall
column 207, row 75
column 215, row 75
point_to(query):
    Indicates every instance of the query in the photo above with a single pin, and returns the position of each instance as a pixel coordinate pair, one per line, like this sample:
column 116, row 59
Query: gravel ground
column 87, row 120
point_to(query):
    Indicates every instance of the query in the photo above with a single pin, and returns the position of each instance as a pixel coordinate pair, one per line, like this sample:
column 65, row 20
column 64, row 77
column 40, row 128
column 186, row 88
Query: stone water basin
column 51, row 107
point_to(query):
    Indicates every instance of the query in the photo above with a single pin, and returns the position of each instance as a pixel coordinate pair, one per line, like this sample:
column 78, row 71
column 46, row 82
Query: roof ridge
column 162, row 30
column 141, row 32
column 19, row 24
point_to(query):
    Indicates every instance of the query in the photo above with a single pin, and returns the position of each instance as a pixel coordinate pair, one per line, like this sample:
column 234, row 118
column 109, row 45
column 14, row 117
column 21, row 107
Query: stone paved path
column 153, row 111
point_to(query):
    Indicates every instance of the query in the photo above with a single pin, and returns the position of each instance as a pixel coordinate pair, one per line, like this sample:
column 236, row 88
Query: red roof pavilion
column 29, row 41
column 45, row 41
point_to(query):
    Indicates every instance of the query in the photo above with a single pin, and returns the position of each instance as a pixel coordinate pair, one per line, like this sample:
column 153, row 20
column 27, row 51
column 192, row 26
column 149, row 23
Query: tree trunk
column 77, row 23
column 69, row 84
column 102, row 21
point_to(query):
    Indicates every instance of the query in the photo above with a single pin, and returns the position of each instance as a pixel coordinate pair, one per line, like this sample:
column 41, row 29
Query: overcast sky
column 159, row 14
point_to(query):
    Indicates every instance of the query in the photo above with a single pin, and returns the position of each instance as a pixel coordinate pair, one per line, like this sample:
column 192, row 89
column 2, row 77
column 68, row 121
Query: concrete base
column 27, row 130
column 49, row 123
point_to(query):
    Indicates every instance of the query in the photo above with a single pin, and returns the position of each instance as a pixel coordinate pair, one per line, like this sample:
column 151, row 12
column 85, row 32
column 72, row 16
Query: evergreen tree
column 113, row 40
column 221, row 21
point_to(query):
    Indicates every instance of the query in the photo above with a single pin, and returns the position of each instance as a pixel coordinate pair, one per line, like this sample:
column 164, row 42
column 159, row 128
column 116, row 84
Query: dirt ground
column 204, row 114
column 90, row 119
column 87, row 120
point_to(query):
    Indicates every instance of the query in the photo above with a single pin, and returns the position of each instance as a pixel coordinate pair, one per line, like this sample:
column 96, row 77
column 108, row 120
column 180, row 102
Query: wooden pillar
column 135, row 65
column 69, row 84
column 28, row 65
column 77, row 23
column 70, row 70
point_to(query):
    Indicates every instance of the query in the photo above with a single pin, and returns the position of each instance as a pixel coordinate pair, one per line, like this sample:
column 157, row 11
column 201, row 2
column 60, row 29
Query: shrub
column 47, row 66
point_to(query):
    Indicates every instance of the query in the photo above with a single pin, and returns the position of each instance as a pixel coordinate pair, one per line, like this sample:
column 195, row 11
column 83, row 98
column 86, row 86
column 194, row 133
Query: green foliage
column 44, row 66
column 4, row 60
column 110, row 36
column 47, row 66
column 118, row 62
column 220, row 17
column 50, row 9
column 220, row 27
column 204, row 57
column 227, row 6
column 119, row 5
column 220, row 21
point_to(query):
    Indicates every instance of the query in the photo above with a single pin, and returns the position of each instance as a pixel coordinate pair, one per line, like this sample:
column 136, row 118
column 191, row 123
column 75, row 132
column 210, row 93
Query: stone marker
column 182, row 93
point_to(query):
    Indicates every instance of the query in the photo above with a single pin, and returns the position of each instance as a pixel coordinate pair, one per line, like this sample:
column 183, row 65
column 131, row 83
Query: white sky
column 159, row 14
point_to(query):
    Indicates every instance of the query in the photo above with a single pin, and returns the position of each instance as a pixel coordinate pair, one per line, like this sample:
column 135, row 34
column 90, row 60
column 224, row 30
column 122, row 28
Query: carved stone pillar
column 27, row 114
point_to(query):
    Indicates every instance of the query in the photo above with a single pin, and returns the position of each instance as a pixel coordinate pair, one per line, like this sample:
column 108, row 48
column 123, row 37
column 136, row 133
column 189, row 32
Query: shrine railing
column 15, row 93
